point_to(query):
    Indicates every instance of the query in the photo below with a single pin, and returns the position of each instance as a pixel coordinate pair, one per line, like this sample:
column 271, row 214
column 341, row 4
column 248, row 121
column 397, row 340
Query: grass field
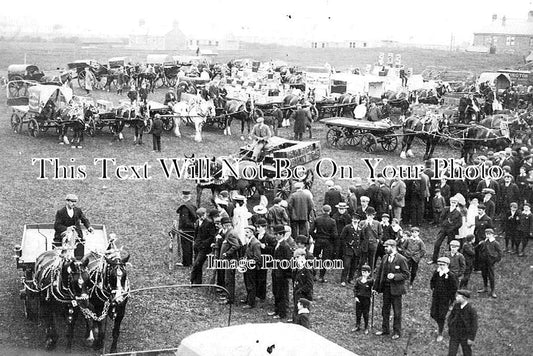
column 140, row 213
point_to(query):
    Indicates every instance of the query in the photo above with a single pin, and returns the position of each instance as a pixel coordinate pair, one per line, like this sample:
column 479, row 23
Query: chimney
column 494, row 17
column 503, row 21
column 530, row 16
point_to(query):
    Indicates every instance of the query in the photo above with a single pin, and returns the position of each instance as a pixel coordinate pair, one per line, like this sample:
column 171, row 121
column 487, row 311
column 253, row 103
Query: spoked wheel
column 16, row 123
column 149, row 126
column 352, row 138
column 81, row 79
column 283, row 189
column 333, row 136
column 168, row 124
column 33, row 128
column 368, row 142
column 389, row 143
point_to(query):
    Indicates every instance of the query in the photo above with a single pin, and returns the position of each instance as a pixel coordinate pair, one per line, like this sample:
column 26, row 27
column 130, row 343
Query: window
column 494, row 39
column 509, row 41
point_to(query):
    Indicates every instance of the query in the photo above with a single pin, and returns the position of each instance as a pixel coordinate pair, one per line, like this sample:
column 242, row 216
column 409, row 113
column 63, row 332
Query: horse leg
column 71, row 321
column 51, row 332
column 198, row 129
column 116, row 326
column 177, row 123
column 140, row 136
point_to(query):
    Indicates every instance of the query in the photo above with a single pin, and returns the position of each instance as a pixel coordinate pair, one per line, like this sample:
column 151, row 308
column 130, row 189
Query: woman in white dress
column 461, row 205
column 471, row 216
column 240, row 217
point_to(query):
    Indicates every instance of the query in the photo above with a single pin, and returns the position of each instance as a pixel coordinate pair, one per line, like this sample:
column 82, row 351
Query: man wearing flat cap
column 489, row 253
column 482, row 222
column 451, row 221
column 443, row 285
column 391, row 276
column 70, row 216
column 462, row 324
column 260, row 134
column 187, row 217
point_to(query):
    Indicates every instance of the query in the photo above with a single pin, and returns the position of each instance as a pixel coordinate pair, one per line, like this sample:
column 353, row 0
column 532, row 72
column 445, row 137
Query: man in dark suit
column 351, row 244
column 451, row 221
column 187, row 218
column 324, row 232
column 204, row 235
column 253, row 252
column 157, row 131
column 280, row 276
column 482, row 222
column 462, row 324
column 332, row 197
column 489, row 202
column 68, row 216
column 390, row 280
column 302, row 119
column 361, row 210
column 371, row 233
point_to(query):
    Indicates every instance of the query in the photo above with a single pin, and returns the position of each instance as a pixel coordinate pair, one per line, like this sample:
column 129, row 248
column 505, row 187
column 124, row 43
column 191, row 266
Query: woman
column 240, row 217
column 471, row 214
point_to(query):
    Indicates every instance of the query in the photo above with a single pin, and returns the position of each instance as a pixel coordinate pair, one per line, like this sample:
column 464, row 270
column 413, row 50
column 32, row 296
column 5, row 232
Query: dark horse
column 61, row 284
column 73, row 117
column 110, row 287
column 428, row 129
column 348, row 109
column 136, row 117
column 242, row 111
column 476, row 136
column 397, row 100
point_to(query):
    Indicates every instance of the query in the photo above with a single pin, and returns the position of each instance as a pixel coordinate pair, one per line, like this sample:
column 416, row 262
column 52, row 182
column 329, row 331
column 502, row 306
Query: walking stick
column 372, row 313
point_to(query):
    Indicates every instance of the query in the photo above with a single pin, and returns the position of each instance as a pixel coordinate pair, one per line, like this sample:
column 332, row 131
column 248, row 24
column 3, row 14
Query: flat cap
column 489, row 231
column 390, row 242
column 455, row 243
column 464, row 292
column 444, row 260
column 71, row 197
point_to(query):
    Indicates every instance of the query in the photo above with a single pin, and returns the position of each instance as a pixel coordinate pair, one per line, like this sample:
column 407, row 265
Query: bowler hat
column 342, row 205
column 304, row 302
column 326, row 208
column 366, row 268
column 261, row 222
column 370, row 211
column 225, row 220
column 278, row 229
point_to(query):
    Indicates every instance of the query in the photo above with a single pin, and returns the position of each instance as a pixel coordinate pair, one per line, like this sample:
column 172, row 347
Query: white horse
column 197, row 111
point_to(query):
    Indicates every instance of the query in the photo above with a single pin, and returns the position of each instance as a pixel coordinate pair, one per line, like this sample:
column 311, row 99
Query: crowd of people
column 375, row 229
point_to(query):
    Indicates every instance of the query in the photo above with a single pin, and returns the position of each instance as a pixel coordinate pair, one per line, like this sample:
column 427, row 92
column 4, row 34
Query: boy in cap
column 490, row 253
column 302, row 318
column 390, row 280
column 469, row 254
column 510, row 227
column 351, row 243
column 462, row 324
column 457, row 260
column 443, row 284
column 362, row 291
column 438, row 204
column 303, row 280
column 525, row 229
column 414, row 250
column 71, row 216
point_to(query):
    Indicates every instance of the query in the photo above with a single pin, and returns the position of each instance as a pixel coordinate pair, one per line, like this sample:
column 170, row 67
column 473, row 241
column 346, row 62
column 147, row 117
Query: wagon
column 345, row 132
column 41, row 112
column 329, row 109
column 166, row 68
column 36, row 239
column 298, row 153
column 24, row 72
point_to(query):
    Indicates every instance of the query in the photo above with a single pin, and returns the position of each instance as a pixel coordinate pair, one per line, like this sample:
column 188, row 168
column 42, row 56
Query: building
column 157, row 38
column 507, row 35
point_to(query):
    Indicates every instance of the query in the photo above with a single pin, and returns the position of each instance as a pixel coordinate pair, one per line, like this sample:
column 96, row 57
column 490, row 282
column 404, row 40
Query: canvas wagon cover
column 21, row 68
column 40, row 94
column 254, row 339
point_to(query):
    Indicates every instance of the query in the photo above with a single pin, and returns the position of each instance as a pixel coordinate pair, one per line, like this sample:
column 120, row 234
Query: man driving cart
column 260, row 134
column 70, row 216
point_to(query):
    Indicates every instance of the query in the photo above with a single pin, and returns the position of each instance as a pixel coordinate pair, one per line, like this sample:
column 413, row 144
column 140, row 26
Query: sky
column 417, row 21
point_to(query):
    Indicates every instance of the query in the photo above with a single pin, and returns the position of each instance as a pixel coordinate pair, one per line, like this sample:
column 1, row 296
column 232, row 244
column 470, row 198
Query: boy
column 302, row 318
column 302, row 287
column 438, row 203
column 462, row 324
column 457, row 260
column 362, row 292
column 414, row 250
column 469, row 255
column 490, row 253
column 511, row 225
column 443, row 285
column 525, row 229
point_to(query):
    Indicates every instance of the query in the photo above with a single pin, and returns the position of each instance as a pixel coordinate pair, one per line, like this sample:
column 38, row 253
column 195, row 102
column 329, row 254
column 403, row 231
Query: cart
column 345, row 132
column 24, row 72
column 166, row 69
column 36, row 239
column 297, row 152
column 42, row 110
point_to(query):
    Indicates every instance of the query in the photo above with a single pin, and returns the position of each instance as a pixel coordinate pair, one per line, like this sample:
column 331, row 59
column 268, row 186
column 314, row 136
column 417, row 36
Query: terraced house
column 507, row 35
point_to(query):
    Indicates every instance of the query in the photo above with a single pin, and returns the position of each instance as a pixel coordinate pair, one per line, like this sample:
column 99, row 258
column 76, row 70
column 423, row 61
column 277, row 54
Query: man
column 451, row 221
column 386, row 198
column 71, row 216
column 488, row 202
column 482, row 222
column 157, row 131
column 490, row 253
column 204, row 235
column 525, row 230
column 302, row 286
column 324, row 232
column 443, row 284
column 280, row 276
column 462, row 324
column 186, row 219
column 457, row 263
column 390, row 280
column 170, row 98
column 364, row 207
column 260, row 134
column 300, row 206
column 231, row 251
column 351, row 244
column 342, row 218
column 268, row 244
column 277, row 118
column 302, row 118
column 371, row 233
column 332, row 197
column 398, row 190
column 508, row 192
column 277, row 215
column 253, row 253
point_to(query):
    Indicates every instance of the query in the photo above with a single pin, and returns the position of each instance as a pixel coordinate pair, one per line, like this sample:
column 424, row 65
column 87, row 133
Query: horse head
column 116, row 278
column 76, row 278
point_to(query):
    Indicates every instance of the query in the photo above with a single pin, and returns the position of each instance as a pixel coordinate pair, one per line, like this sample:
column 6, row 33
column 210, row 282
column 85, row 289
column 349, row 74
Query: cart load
column 260, row 339
column 117, row 62
column 24, row 72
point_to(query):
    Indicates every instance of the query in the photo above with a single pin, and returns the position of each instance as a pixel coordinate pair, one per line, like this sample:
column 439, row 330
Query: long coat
column 300, row 205
column 302, row 119
column 398, row 190
column 351, row 240
column 401, row 273
column 443, row 294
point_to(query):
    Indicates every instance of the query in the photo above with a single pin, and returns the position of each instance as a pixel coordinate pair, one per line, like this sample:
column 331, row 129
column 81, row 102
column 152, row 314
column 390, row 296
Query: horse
column 477, row 135
column 240, row 110
column 109, row 284
column 74, row 117
column 61, row 281
column 398, row 100
column 137, row 116
column 427, row 128
column 347, row 99
column 515, row 127
column 197, row 111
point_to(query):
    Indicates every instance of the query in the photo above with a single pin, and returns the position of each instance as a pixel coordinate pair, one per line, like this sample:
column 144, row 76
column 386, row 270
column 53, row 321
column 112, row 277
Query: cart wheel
column 368, row 142
column 250, row 191
column 149, row 126
column 168, row 124
column 33, row 128
column 81, row 79
column 352, row 138
column 16, row 123
column 389, row 143
column 333, row 136
column 283, row 189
